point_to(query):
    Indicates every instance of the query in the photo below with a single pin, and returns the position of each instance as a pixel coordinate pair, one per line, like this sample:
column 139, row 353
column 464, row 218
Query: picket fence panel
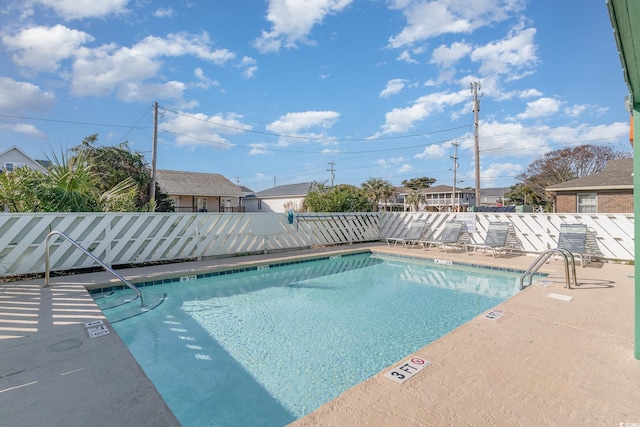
column 136, row 238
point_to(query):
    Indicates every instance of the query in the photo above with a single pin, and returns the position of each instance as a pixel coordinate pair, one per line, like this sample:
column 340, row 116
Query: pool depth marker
column 407, row 369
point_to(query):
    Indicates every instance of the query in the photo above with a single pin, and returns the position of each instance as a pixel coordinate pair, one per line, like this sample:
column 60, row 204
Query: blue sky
column 282, row 91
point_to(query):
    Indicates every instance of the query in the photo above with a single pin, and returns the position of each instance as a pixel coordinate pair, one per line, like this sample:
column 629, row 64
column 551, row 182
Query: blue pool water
column 267, row 347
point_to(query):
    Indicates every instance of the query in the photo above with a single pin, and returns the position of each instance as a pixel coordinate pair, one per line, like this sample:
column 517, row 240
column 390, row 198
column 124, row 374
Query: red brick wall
column 608, row 202
column 615, row 202
column 566, row 203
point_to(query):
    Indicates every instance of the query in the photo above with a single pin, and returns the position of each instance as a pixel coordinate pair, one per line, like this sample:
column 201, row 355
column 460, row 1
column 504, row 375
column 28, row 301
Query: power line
column 312, row 138
column 72, row 122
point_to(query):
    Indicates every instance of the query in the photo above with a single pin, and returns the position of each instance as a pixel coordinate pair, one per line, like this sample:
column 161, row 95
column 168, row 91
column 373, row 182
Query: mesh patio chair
column 495, row 241
column 416, row 230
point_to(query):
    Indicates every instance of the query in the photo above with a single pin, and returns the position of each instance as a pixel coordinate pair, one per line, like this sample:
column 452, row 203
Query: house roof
column 42, row 164
column 289, row 190
column 196, row 184
column 617, row 175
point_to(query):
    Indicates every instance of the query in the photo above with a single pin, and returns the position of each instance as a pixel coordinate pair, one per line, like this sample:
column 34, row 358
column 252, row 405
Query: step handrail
column 543, row 257
column 47, row 272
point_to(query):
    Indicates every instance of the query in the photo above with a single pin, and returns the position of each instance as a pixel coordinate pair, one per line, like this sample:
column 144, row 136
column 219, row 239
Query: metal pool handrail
column 47, row 275
column 568, row 260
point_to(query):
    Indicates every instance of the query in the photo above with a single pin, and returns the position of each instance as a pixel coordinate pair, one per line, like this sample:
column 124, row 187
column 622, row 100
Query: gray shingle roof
column 617, row 175
column 290, row 190
column 196, row 184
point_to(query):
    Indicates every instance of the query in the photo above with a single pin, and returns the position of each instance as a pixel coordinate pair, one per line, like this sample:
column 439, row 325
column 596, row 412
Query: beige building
column 200, row 192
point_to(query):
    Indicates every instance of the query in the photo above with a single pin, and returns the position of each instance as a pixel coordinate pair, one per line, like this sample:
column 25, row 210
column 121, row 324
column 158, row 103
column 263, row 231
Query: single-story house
column 609, row 191
column 278, row 199
column 13, row 158
column 200, row 192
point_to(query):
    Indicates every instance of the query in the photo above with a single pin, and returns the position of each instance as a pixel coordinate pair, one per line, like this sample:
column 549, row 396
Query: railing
column 47, row 271
column 569, row 260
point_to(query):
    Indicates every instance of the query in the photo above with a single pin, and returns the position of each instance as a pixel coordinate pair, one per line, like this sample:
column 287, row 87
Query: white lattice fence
column 135, row 238
column 611, row 236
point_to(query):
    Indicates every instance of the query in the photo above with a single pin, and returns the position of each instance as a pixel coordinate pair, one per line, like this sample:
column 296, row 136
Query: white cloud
column 293, row 20
column 530, row 93
column 402, row 119
column 23, row 129
column 434, row 151
column 575, row 110
column 249, row 67
column 42, row 48
column 132, row 73
column 164, row 12
column 18, row 96
column 394, row 86
column 205, row 82
column 405, row 56
column 405, row 168
column 427, row 19
column 510, row 139
column 447, row 56
column 513, row 53
column 76, row 9
column 497, row 172
column 296, row 125
column 259, row 148
column 108, row 69
column 540, row 108
column 202, row 130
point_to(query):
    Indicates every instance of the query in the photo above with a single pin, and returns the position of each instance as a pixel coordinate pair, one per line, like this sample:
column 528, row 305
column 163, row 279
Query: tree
column 20, row 189
column 378, row 189
column 564, row 165
column 414, row 199
column 71, row 184
column 520, row 194
column 418, row 183
column 340, row 198
column 114, row 164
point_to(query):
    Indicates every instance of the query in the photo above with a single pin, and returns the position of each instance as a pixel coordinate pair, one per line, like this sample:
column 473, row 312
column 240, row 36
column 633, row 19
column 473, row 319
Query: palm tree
column 414, row 199
column 378, row 189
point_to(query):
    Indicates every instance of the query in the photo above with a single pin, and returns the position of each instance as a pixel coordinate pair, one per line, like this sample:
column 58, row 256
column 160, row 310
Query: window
column 201, row 204
column 9, row 166
column 587, row 203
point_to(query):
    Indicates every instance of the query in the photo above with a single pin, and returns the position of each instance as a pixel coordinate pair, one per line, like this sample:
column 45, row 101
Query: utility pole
column 332, row 170
column 455, row 170
column 237, row 180
column 476, row 108
column 152, row 190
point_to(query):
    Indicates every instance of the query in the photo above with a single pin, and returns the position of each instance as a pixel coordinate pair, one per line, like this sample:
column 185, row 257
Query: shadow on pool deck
column 545, row 361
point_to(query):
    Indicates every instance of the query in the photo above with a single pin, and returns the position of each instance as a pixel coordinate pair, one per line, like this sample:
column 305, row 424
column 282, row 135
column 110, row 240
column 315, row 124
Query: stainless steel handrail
column 544, row 256
column 47, row 273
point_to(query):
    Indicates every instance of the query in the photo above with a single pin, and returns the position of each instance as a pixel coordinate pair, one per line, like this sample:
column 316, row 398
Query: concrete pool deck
column 545, row 361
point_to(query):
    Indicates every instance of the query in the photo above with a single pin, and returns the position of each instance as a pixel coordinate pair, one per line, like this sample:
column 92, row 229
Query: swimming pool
column 266, row 347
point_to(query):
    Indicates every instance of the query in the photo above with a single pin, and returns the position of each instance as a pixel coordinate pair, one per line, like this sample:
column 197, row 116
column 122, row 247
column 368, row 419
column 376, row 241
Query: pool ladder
column 47, row 272
column 569, row 261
